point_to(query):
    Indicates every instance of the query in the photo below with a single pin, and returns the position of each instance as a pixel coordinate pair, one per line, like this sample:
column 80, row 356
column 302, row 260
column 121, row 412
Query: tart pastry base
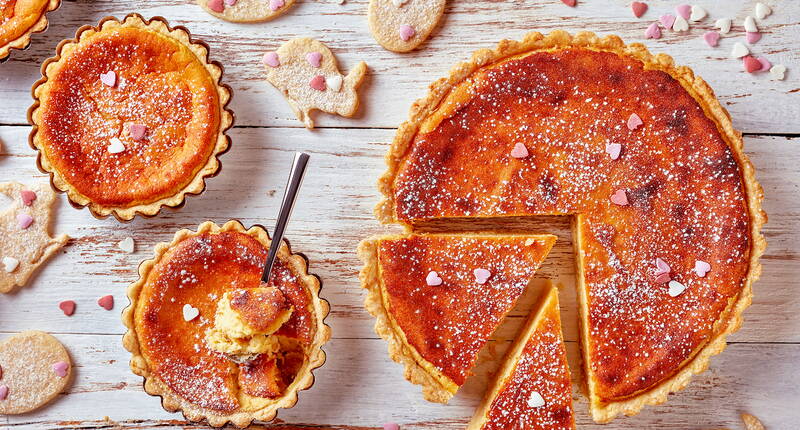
column 23, row 41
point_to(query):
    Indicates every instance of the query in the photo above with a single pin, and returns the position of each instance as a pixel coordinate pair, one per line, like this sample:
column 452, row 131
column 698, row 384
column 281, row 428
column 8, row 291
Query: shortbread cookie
column 402, row 25
column 35, row 368
column 25, row 241
column 305, row 71
column 246, row 10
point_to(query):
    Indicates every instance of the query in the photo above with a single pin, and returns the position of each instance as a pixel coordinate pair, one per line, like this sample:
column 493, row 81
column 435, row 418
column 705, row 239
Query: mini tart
column 437, row 331
column 19, row 19
column 535, row 367
column 197, row 268
column 165, row 82
column 690, row 191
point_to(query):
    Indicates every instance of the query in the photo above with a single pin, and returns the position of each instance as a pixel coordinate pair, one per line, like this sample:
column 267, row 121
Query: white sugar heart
column 680, row 24
column 676, row 288
column 739, row 50
column 778, row 72
column 535, row 400
column 10, row 264
column 109, row 78
column 762, row 10
column 701, row 268
column 698, row 13
column 334, row 83
column 433, row 279
column 724, row 25
column 750, row 25
column 399, row 3
column 116, row 146
column 190, row 312
column 481, row 275
column 126, row 245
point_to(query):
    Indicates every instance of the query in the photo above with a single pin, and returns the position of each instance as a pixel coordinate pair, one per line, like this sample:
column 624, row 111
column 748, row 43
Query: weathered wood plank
column 370, row 390
column 332, row 215
column 758, row 105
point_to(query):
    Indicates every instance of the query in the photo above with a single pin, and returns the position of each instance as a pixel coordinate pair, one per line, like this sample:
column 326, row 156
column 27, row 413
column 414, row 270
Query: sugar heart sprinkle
column 663, row 278
column 638, row 8
column 24, row 221
column 433, row 279
column 276, row 4
column 765, row 64
column 190, row 312
column 137, row 131
column 619, row 198
column 535, row 400
column 751, row 37
column 778, row 72
column 109, row 78
column 711, row 38
column 406, row 32
column 271, row 59
column 570, row 3
column 684, row 11
column 230, row 2
column 3, row 392
column 481, row 275
column 314, row 59
column 662, row 266
column 750, row 25
column 613, row 150
column 724, row 25
column 68, row 307
column 676, row 288
column 697, row 14
column 762, row 10
column 739, row 50
column 701, row 268
column 115, row 146
column 216, row 5
column 126, row 245
column 106, row 302
column 391, row 426
column 519, row 151
column 399, row 3
column 10, row 264
column 317, row 83
column 653, row 31
column 61, row 368
column 27, row 196
column 334, row 83
column 681, row 24
column 667, row 20
column 751, row 65
column 634, row 122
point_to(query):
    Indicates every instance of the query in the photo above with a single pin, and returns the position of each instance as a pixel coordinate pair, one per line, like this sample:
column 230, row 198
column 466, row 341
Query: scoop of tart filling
column 246, row 320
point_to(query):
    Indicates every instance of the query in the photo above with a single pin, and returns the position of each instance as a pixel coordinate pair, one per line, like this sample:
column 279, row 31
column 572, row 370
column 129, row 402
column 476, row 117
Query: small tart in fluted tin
column 19, row 19
column 175, row 320
column 130, row 116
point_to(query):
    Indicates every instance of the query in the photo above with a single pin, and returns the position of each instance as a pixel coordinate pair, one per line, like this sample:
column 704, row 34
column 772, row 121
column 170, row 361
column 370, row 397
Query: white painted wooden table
column 360, row 387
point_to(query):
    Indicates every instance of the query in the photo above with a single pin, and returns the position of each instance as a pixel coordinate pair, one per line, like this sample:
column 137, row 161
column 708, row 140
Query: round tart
column 211, row 340
column 19, row 19
column 130, row 116
column 667, row 212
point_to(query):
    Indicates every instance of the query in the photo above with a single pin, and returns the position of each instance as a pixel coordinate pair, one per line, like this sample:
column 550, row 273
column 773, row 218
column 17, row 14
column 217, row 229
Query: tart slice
column 438, row 298
column 129, row 117
column 533, row 389
column 19, row 19
column 211, row 339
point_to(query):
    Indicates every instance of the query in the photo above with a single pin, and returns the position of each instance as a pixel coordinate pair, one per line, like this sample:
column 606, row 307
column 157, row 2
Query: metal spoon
column 289, row 197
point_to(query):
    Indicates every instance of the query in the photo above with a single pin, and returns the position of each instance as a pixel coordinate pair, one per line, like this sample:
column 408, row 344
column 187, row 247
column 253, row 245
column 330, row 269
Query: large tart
column 666, row 209
column 438, row 298
column 19, row 19
column 129, row 117
column 533, row 389
column 214, row 342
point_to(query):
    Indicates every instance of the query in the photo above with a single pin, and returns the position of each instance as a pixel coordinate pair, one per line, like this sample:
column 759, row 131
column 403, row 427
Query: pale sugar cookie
column 246, row 10
column 402, row 25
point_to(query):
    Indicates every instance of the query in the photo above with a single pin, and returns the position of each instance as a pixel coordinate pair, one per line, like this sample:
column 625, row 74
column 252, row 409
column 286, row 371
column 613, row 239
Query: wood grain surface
column 360, row 387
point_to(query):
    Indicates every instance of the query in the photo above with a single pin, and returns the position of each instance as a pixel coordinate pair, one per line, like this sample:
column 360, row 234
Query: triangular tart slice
column 533, row 389
column 438, row 298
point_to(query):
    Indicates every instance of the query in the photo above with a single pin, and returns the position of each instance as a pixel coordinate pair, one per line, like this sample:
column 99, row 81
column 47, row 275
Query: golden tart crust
column 197, row 268
column 19, row 19
column 165, row 82
column 437, row 331
column 427, row 147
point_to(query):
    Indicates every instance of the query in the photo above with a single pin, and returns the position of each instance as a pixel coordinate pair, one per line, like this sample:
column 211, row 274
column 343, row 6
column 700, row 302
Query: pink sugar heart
column 271, row 59
column 137, row 131
column 613, row 150
column 619, row 198
column 216, row 5
column 751, row 65
column 68, row 307
column 752, row 36
column 314, row 58
column 106, row 302
column 638, row 8
column 1, row 372
column 711, row 38
column 433, row 279
column 230, row 2
column 653, row 31
column 701, row 268
column 634, row 122
column 765, row 64
column 667, row 20
column 684, row 10
column 61, row 368
column 391, row 426
column 109, row 78
column 663, row 278
column 276, row 4
column 3, row 392
column 662, row 266
column 519, row 151
column 24, row 221
column 570, row 3
column 481, row 275
column 318, row 83
column 27, row 196
column 406, row 32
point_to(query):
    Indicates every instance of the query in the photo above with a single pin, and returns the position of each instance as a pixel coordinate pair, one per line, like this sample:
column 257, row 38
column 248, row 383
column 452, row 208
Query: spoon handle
column 289, row 197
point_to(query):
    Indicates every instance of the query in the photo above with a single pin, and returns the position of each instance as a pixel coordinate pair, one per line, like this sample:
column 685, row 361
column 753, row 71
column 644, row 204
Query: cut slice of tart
column 19, row 19
column 438, row 298
column 129, row 117
column 211, row 339
column 532, row 390
column 667, row 212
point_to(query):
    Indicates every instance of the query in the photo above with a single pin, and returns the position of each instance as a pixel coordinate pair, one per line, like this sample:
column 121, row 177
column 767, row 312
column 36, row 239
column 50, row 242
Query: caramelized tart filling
column 158, row 83
column 200, row 271
column 684, row 197
column 17, row 16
